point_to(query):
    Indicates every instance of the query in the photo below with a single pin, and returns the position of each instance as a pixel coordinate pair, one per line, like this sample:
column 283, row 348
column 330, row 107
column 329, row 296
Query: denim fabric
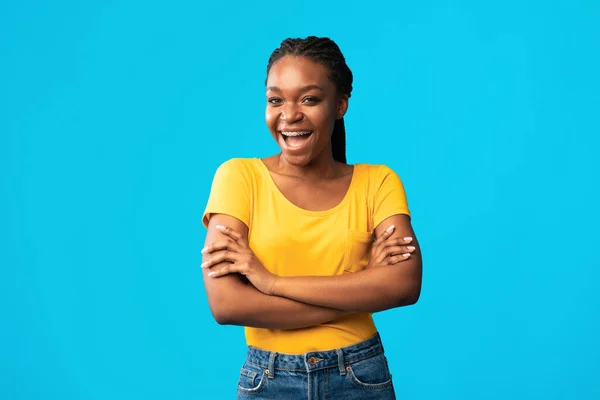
column 357, row 372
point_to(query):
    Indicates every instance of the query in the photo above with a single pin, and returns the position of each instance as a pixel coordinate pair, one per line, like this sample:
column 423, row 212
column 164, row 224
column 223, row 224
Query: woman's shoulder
column 380, row 180
column 238, row 164
column 375, row 171
column 238, row 170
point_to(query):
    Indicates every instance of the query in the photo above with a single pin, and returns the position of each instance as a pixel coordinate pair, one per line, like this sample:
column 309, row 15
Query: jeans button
column 312, row 361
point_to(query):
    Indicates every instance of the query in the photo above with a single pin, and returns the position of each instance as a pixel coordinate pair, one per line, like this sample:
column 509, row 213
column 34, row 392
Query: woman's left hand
column 242, row 260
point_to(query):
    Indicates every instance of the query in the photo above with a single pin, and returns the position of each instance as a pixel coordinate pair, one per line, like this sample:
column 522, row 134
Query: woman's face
column 302, row 106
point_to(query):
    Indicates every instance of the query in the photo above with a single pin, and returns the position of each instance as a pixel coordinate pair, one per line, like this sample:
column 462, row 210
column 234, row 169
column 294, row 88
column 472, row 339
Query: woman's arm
column 233, row 302
column 370, row 290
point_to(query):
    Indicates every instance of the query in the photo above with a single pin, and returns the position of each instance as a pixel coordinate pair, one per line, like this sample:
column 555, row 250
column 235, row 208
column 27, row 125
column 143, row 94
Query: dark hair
column 323, row 51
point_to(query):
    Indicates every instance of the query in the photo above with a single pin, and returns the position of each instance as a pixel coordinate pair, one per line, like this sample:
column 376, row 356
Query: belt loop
column 271, row 366
column 340, row 357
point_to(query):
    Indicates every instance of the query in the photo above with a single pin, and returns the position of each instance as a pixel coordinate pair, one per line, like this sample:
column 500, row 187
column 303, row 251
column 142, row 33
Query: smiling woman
column 302, row 107
column 290, row 251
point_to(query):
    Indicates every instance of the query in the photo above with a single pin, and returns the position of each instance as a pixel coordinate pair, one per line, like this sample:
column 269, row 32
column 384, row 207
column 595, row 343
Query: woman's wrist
column 276, row 286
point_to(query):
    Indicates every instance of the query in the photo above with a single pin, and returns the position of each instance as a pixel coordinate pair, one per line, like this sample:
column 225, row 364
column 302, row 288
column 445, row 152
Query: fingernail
column 408, row 239
column 211, row 274
column 406, row 255
column 411, row 248
column 203, row 264
column 390, row 228
column 203, row 250
column 220, row 227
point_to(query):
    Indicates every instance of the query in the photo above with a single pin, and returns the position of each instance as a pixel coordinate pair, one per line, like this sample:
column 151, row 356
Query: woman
column 290, row 251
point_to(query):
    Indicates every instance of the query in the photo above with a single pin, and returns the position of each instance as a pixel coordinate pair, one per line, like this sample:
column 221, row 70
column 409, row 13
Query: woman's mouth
column 295, row 139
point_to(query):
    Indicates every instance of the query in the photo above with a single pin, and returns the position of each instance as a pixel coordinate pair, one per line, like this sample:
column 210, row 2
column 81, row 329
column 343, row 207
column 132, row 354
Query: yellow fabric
column 291, row 241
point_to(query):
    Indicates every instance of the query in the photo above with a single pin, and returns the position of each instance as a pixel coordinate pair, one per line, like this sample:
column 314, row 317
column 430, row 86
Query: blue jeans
column 359, row 371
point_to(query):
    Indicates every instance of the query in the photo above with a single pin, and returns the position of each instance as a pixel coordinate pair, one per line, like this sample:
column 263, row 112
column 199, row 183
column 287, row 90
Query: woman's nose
column 290, row 113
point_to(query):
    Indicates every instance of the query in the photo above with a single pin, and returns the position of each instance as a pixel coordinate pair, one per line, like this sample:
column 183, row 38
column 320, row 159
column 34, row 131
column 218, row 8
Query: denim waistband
column 315, row 360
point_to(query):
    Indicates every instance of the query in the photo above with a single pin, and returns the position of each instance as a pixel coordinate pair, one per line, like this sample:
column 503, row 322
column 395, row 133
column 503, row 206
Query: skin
column 301, row 96
column 233, row 302
column 382, row 285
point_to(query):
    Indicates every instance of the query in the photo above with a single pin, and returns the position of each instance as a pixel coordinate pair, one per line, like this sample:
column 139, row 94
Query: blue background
column 115, row 115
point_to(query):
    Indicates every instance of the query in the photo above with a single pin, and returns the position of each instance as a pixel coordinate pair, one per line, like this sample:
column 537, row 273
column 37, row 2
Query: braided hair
column 323, row 51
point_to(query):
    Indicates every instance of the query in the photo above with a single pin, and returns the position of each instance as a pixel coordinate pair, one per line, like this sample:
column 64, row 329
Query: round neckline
column 335, row 208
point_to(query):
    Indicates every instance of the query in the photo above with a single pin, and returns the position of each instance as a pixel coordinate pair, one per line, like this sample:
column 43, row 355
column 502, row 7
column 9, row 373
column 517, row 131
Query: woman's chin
column 295, row 159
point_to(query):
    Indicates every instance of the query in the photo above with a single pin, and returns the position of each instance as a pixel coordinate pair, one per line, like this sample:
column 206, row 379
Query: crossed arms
column 298, row 302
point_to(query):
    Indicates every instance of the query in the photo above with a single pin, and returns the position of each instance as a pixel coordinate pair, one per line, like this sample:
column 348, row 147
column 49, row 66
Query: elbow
column 228, row 306
column 413, row 297
column 222, row 312
column 411, row 292
column 222, row 317
column 409, row 295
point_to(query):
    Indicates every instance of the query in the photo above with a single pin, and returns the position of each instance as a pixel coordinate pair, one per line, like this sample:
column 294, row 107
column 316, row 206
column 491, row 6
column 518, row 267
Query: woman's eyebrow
column 302, row 89
column 310, row 87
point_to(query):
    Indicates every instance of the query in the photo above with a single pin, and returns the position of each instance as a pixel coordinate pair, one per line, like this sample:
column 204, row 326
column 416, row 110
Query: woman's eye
column 310, row 100
column 274, row 100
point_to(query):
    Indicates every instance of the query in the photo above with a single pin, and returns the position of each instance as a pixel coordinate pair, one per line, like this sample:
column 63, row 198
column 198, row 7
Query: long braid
column 323, row 51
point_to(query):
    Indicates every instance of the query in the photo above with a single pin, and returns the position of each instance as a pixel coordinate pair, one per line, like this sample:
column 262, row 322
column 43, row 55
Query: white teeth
column 297, row 133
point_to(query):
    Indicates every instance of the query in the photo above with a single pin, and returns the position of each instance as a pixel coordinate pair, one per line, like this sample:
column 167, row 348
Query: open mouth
column 295, row 138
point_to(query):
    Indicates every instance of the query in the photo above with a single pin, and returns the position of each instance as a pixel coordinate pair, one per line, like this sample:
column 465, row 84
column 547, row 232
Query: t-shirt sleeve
column 390, row 198
column 231, row 192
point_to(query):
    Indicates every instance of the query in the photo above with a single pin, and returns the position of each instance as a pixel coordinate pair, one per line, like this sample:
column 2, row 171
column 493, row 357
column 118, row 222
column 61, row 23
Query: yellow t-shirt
column 291, row 241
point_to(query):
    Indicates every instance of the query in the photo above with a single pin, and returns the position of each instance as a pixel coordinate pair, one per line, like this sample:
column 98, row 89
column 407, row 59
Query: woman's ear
column 342, row 106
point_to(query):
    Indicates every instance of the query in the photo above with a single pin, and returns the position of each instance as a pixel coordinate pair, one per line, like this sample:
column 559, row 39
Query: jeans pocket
column 252, row 379
column 371, row 373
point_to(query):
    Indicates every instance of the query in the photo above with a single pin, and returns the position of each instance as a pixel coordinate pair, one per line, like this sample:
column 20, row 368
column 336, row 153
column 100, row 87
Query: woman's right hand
column 386, row 251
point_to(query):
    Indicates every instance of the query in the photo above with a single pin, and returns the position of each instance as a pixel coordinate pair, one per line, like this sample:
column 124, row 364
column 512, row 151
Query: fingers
column 396, row 254
column 384, row 240
column 236, row 236
column 398, row 258
column 228, row 244
column 396, row 250
column 398, row 241
column 392, row 247
column 222, row 256
column 386, row 234
column 224, row 270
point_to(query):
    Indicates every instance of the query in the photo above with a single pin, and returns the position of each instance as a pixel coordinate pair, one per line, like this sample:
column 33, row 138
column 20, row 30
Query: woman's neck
column 318, row 169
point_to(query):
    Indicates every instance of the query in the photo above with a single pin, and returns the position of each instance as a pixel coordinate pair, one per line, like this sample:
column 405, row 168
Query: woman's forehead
column 297, row 72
